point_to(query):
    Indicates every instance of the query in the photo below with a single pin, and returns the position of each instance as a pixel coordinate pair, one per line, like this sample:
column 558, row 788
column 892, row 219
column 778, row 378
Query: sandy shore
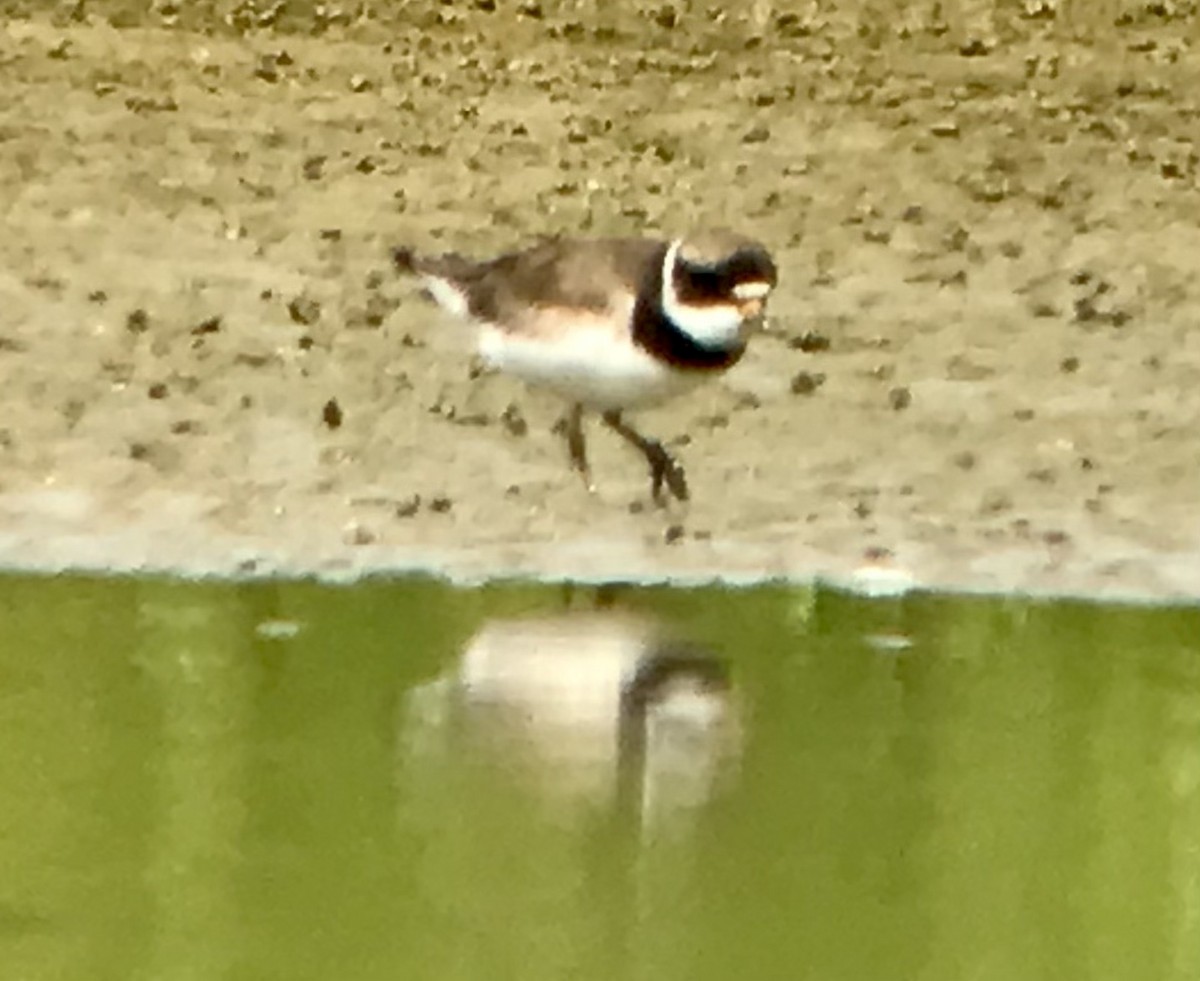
column 983, row 372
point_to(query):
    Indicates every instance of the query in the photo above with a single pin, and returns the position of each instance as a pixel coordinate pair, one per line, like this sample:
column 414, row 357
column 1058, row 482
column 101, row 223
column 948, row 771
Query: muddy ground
column 984, row 368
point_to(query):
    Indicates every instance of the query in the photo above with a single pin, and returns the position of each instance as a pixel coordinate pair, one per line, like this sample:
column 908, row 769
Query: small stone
column 356, row 534
column 304, row 310
column 810, row 342
column 314, row 168
column 377, row 309
column 757, row 134
column 210, row 325
column 157, row 391
column 1068, row 366
column 807, row 382
column 267, row 70
column 441, row 504
column 666, row 17
column 956, row 239
column 513, row 421
column 409, row 506
column 1085, row 310
column 1056, row 537
column 359, row 83
column 673, row 534
column 138, row 321
column 946, row 130
column 899, row 398
column 331, row 414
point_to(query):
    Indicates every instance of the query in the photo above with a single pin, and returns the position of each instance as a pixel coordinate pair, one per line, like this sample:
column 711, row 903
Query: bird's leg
column 664, row 468
column 576, row 447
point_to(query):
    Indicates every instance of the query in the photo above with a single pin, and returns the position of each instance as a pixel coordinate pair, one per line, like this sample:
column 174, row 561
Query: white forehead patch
column 751, row 291
column 712, row 326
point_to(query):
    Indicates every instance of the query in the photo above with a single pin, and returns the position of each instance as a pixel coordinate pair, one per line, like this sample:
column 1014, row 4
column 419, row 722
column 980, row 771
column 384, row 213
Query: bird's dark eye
column 705, row 284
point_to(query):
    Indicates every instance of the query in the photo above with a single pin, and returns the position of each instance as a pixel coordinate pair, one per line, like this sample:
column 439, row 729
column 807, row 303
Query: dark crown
column 711, row 264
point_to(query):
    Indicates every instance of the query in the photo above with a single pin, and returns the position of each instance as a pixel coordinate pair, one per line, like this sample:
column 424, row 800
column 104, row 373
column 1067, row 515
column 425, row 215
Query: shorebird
column 610, row 325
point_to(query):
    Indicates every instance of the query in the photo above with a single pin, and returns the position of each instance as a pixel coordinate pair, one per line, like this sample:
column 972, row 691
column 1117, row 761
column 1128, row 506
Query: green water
column 218, row 781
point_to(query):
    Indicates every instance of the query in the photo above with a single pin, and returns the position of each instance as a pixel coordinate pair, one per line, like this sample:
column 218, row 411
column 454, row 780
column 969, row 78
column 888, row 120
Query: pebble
column 331, row 414
column 356, row 534
column 409, row 506
column 807, row 382
column 303, row 310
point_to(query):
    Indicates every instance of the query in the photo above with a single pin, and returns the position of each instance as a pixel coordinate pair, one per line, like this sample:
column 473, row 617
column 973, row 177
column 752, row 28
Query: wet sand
column 983, row 371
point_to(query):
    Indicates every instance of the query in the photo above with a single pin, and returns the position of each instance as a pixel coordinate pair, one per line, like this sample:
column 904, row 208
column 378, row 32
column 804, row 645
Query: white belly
column 587, row 365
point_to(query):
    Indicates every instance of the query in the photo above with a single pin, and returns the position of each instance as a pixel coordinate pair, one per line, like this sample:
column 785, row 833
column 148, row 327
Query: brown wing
column 587, row 275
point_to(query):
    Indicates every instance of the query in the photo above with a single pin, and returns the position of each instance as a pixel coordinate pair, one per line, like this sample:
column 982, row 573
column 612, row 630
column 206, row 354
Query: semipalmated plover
column 611, row 325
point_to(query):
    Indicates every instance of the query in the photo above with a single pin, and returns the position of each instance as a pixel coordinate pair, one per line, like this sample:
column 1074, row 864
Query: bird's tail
column 449, row 265
column 443, row 277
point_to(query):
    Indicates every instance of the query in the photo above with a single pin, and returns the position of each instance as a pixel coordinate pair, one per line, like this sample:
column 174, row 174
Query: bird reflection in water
column 589, row 710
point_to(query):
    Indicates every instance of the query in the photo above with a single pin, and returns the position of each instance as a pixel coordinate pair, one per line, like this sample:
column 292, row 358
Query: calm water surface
column 286, row 781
